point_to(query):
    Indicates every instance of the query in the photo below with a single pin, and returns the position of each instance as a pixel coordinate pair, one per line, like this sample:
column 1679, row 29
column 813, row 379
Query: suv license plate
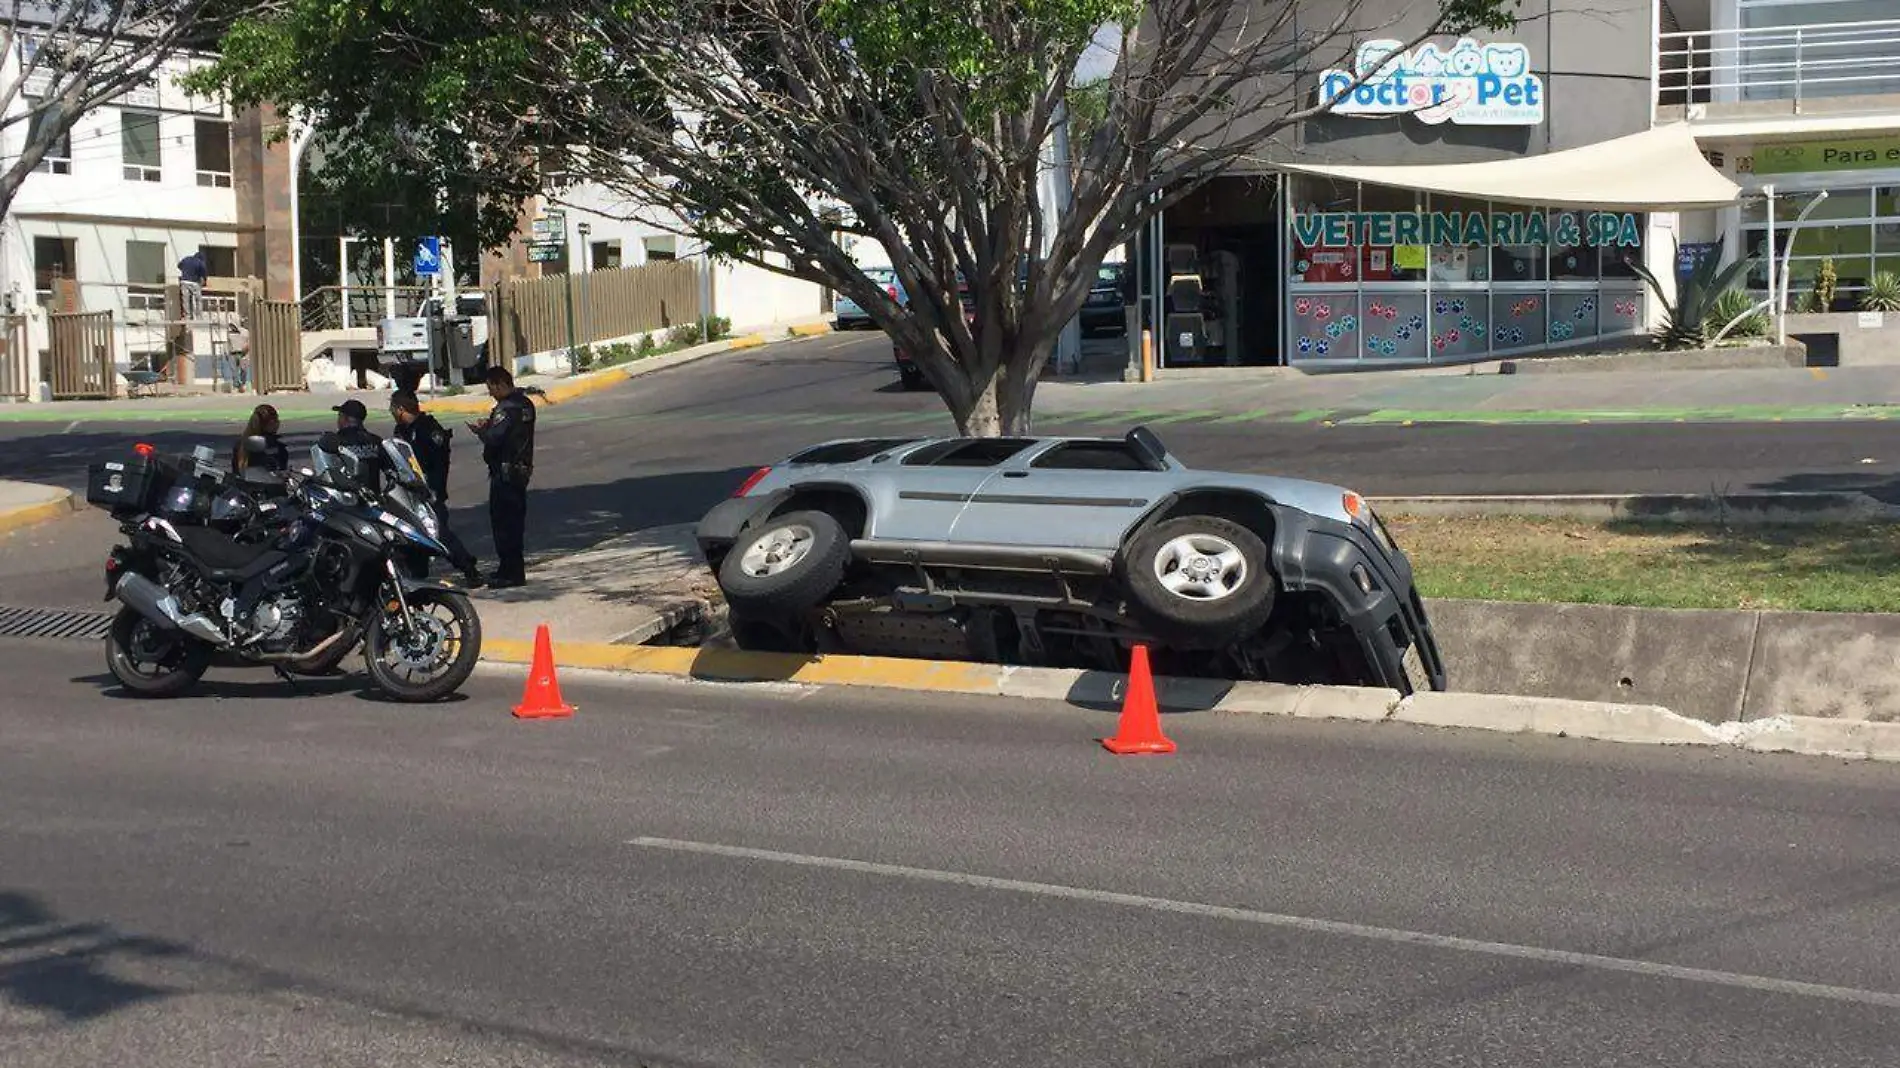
column 1414, row 666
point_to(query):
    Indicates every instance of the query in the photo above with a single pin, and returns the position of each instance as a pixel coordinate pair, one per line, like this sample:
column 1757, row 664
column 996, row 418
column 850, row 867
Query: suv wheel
column 785, row 567
column 1199, row 581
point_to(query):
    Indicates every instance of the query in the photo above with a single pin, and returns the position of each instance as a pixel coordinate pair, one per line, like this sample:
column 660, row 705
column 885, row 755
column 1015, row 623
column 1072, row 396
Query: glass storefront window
column 1496, row 277
column 1389, row 255
column 1460, row 240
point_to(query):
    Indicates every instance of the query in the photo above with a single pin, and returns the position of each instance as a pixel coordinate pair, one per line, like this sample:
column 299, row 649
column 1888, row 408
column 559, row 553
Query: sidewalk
column 305, row 404
column 1474, row 395
column 623, row 591
column 23, row 504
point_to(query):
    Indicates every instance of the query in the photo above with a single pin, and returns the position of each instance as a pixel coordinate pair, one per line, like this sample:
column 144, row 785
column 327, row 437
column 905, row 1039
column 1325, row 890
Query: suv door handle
column 1015, row 474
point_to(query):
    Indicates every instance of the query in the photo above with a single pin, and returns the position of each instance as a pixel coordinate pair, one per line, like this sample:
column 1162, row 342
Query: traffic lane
column 60, row 563
column 1754, row 865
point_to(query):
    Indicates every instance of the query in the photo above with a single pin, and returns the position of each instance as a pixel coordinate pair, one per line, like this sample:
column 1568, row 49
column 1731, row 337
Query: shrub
column 1730, row 304
column 683, row 334
column 1685, row 322
column 584, row 357
column 618, row 353
column 1883, row 293
column 717, row 327
column 1821, row 298
column 646, row 345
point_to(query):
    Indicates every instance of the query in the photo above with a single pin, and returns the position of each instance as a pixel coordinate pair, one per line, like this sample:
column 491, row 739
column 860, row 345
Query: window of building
column 212, row 138
column 145, row 264
column 604, row 255
column 138, row 145
column 1791, row 49
column 662, row 248
column 1440, row 278
column 220, row 262
column 59, row 155
column 1857, row 228
column 53, row 258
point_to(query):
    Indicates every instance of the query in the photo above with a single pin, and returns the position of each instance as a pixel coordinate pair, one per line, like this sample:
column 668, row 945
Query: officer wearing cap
column 430, row 439
column 350, row 436
column 508, row 448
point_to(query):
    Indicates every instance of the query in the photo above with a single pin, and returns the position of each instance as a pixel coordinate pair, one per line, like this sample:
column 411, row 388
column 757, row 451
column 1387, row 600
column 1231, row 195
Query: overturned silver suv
column 1064, row 552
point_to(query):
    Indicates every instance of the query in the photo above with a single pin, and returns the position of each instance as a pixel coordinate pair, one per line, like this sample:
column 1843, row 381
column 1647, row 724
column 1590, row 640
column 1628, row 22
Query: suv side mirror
column 1147, row 446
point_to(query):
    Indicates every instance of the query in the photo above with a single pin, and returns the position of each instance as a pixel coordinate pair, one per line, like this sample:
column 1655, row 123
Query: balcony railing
column 1782, row 63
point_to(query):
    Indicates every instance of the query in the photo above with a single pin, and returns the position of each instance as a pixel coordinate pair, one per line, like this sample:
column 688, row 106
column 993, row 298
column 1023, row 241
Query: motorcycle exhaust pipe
column 159, row 605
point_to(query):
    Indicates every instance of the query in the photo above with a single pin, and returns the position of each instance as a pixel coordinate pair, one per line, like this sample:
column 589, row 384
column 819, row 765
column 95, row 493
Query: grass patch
column 1832, row 568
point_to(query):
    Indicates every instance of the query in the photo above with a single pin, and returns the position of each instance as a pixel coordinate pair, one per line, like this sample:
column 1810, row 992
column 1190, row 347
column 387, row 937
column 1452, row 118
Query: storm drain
column 53, row 623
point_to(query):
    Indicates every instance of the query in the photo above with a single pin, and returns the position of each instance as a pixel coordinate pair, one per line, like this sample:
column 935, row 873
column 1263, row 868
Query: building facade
column 136, row 186
column 1494, row 195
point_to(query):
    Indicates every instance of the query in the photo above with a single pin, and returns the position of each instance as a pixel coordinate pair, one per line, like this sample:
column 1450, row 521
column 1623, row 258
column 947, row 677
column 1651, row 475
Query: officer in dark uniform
column 508, row 449
column 431, row 442
column 351, row 436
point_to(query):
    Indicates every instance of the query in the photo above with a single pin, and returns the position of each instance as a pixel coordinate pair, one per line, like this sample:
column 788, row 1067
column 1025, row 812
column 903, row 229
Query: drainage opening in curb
column 53, row 623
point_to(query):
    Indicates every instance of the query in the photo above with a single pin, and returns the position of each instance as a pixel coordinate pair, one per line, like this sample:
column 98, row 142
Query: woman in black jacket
column 263, row 424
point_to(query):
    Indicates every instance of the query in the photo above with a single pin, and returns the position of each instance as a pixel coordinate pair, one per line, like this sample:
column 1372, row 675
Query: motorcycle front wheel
column 431, row 655
column 152, row 661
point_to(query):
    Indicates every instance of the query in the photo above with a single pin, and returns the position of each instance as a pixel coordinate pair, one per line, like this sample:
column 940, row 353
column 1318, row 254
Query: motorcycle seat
column 228, row 559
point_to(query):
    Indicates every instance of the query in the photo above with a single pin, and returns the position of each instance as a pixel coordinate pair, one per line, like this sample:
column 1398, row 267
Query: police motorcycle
column 320, row 578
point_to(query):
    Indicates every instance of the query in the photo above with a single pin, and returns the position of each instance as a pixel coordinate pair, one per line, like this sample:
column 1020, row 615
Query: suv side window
column 1091, row 456
column 983, row 452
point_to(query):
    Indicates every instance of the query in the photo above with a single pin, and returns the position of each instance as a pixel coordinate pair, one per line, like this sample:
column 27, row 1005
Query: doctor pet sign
column 1468, row 84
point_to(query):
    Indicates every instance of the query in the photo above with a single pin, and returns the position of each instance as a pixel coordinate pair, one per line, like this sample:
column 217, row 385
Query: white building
column 135, row 187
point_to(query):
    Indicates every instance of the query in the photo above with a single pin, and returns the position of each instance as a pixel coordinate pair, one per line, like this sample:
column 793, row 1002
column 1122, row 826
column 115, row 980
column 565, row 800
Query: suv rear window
column 1091, row 456
column 847, row 452
column 983, row 452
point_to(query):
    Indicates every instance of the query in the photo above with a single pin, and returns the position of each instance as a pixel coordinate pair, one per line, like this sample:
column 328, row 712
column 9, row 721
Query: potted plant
column 1882, row 293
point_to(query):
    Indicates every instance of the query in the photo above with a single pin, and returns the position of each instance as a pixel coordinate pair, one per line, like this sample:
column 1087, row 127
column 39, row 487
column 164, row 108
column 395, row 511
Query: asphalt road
column 712, row 875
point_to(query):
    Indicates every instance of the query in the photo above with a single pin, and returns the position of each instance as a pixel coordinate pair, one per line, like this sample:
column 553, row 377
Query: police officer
column 430, row 439
column 351, row 436
column 508, row 449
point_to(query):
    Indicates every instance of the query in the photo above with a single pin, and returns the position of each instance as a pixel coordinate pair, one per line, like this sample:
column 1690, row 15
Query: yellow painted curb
column 811, row 330
column 27, row 515
column 731, row 665
column 749, row 341
column 584, row 385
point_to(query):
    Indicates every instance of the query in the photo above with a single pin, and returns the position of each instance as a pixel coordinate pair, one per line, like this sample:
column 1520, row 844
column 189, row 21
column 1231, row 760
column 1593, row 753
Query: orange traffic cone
column 542, row 699
column 1140, row 729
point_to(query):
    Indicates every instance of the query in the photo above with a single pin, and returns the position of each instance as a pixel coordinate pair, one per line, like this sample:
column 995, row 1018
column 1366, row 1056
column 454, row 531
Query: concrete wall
column 1714, row 666
column 1875, row 344
column 1594, row 62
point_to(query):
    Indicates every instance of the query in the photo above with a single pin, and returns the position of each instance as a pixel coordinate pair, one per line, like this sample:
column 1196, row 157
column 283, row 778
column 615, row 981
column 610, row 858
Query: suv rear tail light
column 751, row 481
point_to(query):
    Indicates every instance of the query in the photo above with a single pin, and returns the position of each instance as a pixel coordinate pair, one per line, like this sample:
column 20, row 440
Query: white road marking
column 70, row 427
column 1653, row 969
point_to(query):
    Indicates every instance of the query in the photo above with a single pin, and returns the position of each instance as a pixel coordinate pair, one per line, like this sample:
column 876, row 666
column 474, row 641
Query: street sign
column 429, row 257
column 553, row 224
column 547, row 251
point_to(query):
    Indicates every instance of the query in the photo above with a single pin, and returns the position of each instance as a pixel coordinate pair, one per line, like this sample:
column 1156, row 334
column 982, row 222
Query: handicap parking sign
column 429, row 257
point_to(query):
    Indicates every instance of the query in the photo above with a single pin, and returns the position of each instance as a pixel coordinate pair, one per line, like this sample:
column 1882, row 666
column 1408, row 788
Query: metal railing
column 359, row 307
column 1795, row 63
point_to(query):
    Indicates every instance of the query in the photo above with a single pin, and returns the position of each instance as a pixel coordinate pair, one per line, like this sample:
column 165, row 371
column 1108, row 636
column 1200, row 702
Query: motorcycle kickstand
column 289, row 679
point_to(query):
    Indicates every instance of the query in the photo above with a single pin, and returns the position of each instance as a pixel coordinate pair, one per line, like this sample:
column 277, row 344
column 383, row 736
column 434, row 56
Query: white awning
column 1656, row 170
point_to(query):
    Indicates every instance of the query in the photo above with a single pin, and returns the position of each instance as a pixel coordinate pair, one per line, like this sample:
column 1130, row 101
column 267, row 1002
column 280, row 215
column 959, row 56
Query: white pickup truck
column 408, row 346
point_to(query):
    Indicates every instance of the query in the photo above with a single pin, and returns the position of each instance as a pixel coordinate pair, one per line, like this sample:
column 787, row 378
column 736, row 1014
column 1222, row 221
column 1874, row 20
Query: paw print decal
column 1302, row 306
column 1306, row 344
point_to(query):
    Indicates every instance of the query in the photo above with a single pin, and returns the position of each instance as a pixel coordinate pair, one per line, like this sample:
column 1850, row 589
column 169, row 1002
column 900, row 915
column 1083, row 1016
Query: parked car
column 1065, row 552
column 1104, row 311
column 847, row 314
column 911, row 376
column 435, row 338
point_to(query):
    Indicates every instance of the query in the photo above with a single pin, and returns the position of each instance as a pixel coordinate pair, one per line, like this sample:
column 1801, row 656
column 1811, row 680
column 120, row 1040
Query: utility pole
column 1056, row 194
column 584, row 228
column 567, row 289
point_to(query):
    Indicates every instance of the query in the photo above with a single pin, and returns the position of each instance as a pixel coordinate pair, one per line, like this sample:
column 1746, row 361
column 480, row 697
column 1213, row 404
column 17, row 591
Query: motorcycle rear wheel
column 152, row 661
column 432, row 661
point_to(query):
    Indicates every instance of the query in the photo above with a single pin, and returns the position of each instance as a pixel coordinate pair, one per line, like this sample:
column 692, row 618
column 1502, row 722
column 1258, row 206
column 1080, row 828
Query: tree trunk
column 1002, row 407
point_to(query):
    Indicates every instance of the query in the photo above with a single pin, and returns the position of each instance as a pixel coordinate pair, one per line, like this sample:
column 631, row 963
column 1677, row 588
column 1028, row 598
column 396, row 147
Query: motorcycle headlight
column 431, row 525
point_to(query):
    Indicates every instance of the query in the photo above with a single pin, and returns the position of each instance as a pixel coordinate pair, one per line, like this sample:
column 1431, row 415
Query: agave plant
column 1882, row 294
column 1730, row 304
column 1685, row 321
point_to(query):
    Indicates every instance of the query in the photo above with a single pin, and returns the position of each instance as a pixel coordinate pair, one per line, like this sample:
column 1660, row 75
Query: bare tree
column 769, row 128
column 63, row 58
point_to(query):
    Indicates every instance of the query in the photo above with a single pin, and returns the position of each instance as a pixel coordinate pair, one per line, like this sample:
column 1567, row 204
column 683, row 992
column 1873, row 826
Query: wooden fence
column 527, row 316
column 276, row 346
column 81, row 356
column 16, row 365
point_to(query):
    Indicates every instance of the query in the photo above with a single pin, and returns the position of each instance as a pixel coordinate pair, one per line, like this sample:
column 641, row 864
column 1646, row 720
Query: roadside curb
column 1597, row 721
column 58, row 502
column 810, row 329
column 1737, row 508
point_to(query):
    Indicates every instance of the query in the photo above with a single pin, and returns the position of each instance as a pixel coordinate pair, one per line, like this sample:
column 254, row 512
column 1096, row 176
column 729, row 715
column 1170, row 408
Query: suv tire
column 1198, row 581
column 785, row 567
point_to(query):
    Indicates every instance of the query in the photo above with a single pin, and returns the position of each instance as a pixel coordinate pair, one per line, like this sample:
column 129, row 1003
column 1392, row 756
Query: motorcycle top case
column 131, row 484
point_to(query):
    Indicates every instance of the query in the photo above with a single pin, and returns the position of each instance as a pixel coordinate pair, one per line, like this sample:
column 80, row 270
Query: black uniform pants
column 508, row 516
column 459, row 557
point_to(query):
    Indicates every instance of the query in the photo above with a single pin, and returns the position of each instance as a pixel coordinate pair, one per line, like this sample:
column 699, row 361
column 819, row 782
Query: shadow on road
column 50, row 966
column 257, row 681
column 567, row 519
column 1882, row 486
